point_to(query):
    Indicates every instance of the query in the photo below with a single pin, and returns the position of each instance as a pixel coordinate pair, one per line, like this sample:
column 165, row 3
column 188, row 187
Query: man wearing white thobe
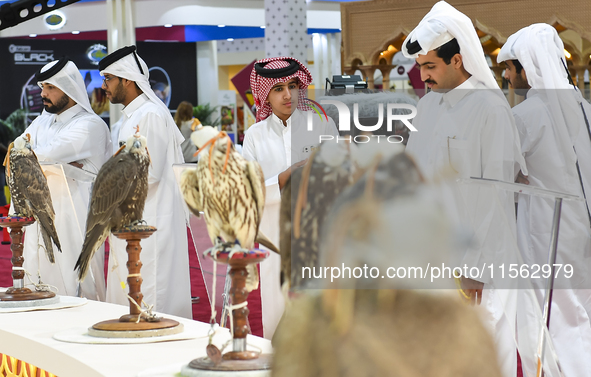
column 557, row 149
column 68, row 132
column 277, row 141
column 165, row 258
column 465, row 129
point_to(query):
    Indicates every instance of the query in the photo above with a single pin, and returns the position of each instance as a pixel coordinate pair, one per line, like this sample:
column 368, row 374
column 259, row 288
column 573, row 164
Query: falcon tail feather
column 263, row 240
column 252, row 279
column 93, row 240
column 48, row 245
column 48, row 232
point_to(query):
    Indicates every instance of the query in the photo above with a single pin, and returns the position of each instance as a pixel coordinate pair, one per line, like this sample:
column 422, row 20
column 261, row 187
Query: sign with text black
column 173, row 71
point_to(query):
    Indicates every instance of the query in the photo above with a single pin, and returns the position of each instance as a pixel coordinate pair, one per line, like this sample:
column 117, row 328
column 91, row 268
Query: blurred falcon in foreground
column 118, row 197
column 29, row 190
column 230, row 191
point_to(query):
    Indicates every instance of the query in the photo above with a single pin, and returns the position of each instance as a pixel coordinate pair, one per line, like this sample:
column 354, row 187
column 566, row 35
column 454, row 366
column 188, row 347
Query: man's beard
column 520, row 85
column 57, row 107
column 118, row 96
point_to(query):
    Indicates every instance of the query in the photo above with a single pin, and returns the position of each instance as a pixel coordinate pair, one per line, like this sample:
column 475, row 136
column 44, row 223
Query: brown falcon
column 306, row 200
column 118, row 197
column 229, row 190
column 29, row 191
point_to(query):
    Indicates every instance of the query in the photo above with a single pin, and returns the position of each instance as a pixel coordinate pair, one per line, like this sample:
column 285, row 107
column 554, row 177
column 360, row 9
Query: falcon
column 305, row 201
column 308, row 196
column 230, row 191
column 29, row 191
column 118, row 197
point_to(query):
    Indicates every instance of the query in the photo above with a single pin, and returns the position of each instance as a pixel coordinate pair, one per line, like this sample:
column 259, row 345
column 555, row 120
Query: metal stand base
column 204, row 367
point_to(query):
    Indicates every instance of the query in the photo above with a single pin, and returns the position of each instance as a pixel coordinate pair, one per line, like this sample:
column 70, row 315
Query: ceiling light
column 32, row 35
column 221, row 25
column 75, row 32
column 262, row 27
column 230, row 39
column 168, row 25
column 568, row 55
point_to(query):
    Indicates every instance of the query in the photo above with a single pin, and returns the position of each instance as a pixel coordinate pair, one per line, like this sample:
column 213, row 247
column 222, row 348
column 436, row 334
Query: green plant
column 16, row 123
column 206, row 113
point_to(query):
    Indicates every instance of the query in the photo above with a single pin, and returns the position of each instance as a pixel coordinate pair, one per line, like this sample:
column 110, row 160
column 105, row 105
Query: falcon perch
column 29, row 191
column 118, row 197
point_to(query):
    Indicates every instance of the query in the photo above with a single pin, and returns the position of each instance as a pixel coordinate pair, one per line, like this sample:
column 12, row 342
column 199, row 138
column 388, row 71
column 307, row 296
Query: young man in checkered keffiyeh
column 279, row 141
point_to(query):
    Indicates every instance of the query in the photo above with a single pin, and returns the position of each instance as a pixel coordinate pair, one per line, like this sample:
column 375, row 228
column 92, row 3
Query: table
column 28, row 336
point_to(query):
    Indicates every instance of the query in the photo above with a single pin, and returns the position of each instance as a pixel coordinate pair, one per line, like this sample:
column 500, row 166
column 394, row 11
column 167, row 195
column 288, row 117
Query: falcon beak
column 148, row 152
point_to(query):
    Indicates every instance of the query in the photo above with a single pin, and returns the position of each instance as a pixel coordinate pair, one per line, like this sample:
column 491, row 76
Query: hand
column 473, row 289
column 282, row 178
column 76, row 164
column 522, row 178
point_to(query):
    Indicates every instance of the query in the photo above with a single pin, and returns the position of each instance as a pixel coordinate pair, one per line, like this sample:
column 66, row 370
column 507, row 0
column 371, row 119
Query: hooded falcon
column 29, row 191
column 230, row 191
column 118, row 197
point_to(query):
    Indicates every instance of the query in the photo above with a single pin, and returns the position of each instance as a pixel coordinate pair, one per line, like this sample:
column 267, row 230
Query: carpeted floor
column 201, row 309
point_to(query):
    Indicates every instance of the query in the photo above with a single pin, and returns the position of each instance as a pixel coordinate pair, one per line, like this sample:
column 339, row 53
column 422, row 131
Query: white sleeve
column 491, row 212
column 273, row 193
column 153, row 127
column 84, row 139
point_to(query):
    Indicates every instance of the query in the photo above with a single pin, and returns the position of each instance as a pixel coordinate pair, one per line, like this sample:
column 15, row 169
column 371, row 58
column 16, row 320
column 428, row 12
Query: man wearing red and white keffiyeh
column 280, row 141
column 280, row 70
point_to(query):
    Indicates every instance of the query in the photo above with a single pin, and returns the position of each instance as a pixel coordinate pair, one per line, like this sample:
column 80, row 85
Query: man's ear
column 457, row 61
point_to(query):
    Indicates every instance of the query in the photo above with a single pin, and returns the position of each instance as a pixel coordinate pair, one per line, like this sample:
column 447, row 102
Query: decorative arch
column 494, row 33
column 561, row 24
column 490, row 39
column 355, row 59
column 395, row 39
column 353, row 66
column 576, row 57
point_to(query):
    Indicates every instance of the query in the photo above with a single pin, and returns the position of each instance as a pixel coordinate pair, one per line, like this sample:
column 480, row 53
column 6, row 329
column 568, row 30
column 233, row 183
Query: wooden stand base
column 114, row 328
column 24, row 294
column 126, row 326
column 19, row 296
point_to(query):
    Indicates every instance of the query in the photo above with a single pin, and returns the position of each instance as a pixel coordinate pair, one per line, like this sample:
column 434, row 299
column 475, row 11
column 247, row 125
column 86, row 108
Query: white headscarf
column 127, row 68
column 70, row 81
column 540, row 51
column 441, row 25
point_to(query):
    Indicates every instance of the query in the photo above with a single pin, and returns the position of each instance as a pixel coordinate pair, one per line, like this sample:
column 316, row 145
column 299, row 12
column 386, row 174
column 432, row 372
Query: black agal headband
column 413, row 47
column 119, row 54
column 292, row 68
column 43, row 76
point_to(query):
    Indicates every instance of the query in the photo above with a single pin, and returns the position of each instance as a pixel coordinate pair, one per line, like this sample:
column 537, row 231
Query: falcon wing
column 256, row 178
column 31, row 182
column 113, row 184
column 111, row 187
column 190, row 190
